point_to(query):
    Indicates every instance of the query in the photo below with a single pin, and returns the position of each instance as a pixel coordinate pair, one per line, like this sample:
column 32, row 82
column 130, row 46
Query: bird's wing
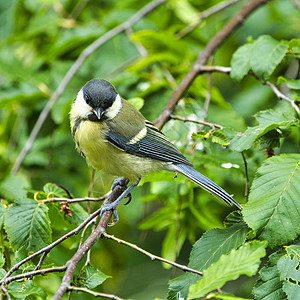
column 149, row 142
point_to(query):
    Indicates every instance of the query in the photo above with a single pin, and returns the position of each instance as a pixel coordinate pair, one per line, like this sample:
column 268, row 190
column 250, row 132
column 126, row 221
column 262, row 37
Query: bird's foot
column 122, row 181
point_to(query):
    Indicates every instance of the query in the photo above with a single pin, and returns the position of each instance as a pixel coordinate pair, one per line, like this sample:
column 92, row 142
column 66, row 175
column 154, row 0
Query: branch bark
column 233, row 24
column 86, row 246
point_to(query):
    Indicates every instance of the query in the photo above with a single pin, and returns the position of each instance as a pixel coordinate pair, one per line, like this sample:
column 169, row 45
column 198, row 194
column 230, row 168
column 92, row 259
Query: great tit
column 114, row 137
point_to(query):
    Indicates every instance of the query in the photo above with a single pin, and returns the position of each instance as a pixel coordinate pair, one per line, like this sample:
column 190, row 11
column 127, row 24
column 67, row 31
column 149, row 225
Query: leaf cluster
column 40, row 40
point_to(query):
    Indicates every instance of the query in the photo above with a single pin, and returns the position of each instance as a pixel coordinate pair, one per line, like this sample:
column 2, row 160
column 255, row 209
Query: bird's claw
column 108, row 207
column 120, row 181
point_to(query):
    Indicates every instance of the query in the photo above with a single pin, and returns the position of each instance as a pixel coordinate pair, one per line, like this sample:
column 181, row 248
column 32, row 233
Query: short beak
column 98, row 112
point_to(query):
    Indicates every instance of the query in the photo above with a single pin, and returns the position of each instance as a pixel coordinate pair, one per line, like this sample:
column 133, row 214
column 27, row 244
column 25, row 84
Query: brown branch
column 152, row 256
column 95, row 294
column 233, row 24
column 211, row 125
column 73, row 70
column 296, row 3
column 90, row 241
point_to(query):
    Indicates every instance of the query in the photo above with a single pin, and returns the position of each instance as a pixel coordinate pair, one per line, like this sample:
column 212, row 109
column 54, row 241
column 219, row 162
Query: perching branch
column 73, row 70
column 196, row 70
column 75, row 200
column 90, row 241
column 152, row 256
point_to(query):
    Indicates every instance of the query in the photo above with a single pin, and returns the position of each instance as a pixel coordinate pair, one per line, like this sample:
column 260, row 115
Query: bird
column 114, row 137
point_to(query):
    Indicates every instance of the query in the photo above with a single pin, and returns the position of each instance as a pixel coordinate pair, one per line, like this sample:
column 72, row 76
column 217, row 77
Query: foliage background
column 40, row 40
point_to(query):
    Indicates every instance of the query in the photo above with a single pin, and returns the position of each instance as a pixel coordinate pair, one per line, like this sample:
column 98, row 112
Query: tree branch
column 152, row 256
column 281, row 96
column 35, row 272
column 90, row 241
column 95, row 294
column 233, row 24
column 211, row 125
column 72, row 71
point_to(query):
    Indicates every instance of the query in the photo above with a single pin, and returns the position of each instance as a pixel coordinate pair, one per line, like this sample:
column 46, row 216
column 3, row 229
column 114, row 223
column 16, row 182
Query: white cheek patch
column 115, row 108
column 81, row 107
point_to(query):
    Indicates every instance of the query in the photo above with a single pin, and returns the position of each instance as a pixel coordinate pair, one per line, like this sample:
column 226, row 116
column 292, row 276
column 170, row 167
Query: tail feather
column 205, row 183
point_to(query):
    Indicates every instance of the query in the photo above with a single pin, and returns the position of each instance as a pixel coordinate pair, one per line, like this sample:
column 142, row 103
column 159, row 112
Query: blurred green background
column 39, row 42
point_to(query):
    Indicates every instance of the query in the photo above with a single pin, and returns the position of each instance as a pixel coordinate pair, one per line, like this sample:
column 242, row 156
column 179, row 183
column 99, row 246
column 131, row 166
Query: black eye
column 87, row 100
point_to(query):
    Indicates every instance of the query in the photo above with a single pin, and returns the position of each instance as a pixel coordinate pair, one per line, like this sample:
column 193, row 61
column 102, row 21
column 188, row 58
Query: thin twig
column 36, row 272
column 214, row 43
column 205, row 14
column 246, row 176
column 72, row 71
column 281, row 96
column 95, row 294
column 211, row 125
column 152, row 256
column 6, row 292
column 90, row 241
column 48, row 248
column 75, row 200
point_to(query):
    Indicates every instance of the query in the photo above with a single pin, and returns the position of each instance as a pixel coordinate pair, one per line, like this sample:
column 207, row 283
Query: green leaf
column 22, row 290
column 268, row 132
column 207, row 250
column 200, row 135
column 288, row 266
column 273, row 209
column 27, row 223
column 219, row 137
column 2, row 260
column 240, row 63
column 53, row 190
column 267, row 53
column 243, row 261
column 291, row 83
column 13, row 187
column 269, row 286
column 92, row 277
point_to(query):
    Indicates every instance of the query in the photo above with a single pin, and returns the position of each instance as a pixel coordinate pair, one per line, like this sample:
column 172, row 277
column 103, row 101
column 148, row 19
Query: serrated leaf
column 269, row 120
column 92, row 277
column 22, row 290
column 267, row 53
column 240, row 63
column 273, row 208
column 27, row 223
column 288, row 266
column 207, row 250
column 53, row 190
column 200, row 135
column 243, row 261
column 269, row 286
column 219, row 137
